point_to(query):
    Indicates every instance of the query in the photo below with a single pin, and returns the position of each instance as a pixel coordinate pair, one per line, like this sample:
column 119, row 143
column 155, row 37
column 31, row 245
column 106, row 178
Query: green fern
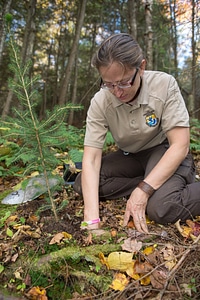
column 195, row 134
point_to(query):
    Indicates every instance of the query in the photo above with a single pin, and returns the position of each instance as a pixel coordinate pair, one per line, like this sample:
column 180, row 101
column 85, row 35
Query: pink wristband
column 86, row 223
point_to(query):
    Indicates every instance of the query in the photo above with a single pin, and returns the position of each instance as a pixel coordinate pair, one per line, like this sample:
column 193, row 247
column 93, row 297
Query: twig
column 177, row 266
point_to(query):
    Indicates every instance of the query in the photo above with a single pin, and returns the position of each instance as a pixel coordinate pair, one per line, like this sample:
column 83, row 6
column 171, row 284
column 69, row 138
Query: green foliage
column 8, row 17
column 195, row 134
column 76, row 155
column 74, row 137
column 192, row 285
column 7, row 150
column 4, row 218
column 109, row 140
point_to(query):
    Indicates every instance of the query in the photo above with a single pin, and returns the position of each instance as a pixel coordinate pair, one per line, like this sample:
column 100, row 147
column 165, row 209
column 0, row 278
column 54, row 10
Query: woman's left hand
column 136, row 207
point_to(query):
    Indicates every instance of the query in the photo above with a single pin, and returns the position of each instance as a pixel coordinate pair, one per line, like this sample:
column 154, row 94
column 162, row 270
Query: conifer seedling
column 37, row 138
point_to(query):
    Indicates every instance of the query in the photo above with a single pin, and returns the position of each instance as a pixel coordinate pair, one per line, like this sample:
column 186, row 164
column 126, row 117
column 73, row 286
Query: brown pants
column 177, row 198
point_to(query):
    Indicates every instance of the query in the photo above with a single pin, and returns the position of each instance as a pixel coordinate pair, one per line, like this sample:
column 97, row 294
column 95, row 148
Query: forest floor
column 41, row 258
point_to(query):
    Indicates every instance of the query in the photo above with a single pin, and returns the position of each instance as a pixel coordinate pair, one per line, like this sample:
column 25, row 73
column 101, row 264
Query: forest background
column 60, row 37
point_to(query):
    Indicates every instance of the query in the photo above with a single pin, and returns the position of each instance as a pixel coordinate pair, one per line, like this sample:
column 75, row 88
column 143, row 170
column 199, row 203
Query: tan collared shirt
column 142, row 125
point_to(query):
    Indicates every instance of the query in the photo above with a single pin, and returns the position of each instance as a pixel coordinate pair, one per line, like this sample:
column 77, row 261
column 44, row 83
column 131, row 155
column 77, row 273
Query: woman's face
column 116, row 74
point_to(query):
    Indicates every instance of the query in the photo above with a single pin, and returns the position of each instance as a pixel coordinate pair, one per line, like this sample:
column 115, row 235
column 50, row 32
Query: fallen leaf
column 15, row 257
column 27, row 280
column 149, row 250
column 34, row 174
column 103, row 260
column 21, row 227
column 186, row 289
column 113, row 233
column 131, row 245
column 33, row 234
column 195, row 226
column 120, row 282
column 185, row 231
column 33, row 219
column 37, row 293
column 130, row 224
column 138, row 270
column 9, row 232
column 145, row 280
column 57, row 238
column 11, row 219
column 168, row 255
column 119, row 260
column 17, row 275
column 142, row 267
column 131, row 272
column 158, row 279
column 67, row 235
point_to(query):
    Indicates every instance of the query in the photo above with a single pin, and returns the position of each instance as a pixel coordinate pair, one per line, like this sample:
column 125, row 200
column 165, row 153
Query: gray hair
column 121, row 48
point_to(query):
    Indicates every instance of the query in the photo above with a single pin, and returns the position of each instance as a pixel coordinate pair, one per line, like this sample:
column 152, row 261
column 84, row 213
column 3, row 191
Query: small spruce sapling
column 37, row 137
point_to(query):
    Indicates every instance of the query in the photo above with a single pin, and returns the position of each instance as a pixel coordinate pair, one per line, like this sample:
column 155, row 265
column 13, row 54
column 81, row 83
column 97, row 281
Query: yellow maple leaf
column 124, row 262
column 119, row 260
column 145, row 281
column 67, row 235
column 120, row 282
column 149, row 250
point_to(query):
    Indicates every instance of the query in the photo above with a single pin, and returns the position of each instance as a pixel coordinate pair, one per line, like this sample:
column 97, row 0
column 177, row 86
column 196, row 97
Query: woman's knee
column 163, row 212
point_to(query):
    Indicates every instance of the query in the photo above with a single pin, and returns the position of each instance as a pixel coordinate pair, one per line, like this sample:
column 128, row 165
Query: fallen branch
column 177, row 266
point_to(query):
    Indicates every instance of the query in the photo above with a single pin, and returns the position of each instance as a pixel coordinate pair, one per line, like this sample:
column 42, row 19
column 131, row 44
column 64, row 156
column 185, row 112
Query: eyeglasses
column 120, row 84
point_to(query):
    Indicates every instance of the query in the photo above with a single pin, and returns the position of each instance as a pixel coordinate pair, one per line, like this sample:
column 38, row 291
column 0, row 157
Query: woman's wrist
column 147, row 188
column 90, row 222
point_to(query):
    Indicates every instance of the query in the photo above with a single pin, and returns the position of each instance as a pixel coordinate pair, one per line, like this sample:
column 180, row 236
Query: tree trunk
column 29, row 35
column 174, row 35
column 132, row 18
column 5, row 10
column 149, row 35
column 74, row 93
column 27, row 49
column 64, row 87
column 193, row 46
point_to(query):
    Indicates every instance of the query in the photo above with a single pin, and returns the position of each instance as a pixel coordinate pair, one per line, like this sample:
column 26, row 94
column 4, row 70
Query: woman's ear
column 142, row 66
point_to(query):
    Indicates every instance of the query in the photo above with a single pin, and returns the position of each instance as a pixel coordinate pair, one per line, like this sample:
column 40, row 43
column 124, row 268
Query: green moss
column 6, row 208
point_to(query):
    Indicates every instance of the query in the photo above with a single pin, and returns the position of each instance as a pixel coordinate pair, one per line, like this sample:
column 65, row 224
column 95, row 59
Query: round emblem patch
column 151, row 119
